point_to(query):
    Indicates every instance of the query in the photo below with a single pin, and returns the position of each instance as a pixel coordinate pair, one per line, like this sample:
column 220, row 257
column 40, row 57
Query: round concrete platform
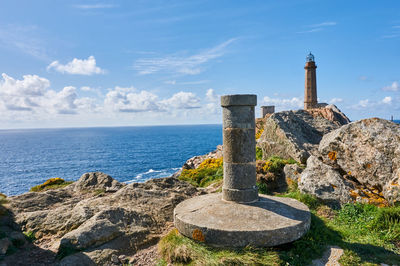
column 270, row 221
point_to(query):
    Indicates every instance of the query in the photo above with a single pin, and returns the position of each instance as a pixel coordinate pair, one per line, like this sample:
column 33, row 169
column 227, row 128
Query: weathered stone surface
column 268, row 222
column 99, row 222
column 330, row 112
column 292, row 172
column 239, row 145
column 239, row 99
column 324, row 182
column 97, row 180
column 365, row 155
column 295, row 134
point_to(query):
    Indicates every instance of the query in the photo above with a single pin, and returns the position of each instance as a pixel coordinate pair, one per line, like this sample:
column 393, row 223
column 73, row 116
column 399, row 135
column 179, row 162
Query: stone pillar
column 239, row 148
column 270, row 109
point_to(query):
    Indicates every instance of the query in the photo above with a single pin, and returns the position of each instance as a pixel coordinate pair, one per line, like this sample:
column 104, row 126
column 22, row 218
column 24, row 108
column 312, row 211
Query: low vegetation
column 209, row 171
column 369, row 235
column 3, row 200
column 52, row 183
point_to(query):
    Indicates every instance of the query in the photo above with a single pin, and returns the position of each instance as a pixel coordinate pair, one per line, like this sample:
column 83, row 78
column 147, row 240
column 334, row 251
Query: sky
column 87, row 63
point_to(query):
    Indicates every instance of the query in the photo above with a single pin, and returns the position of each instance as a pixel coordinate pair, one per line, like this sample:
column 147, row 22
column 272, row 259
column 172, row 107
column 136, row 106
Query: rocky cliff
column 96, row 220
column 296, row 134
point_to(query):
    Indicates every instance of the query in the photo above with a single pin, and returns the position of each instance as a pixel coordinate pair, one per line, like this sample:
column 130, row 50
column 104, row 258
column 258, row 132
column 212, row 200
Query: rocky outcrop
column 97, row 218
column 357, row 162
column 296, row 134
column 330, row 112
column 195, row 161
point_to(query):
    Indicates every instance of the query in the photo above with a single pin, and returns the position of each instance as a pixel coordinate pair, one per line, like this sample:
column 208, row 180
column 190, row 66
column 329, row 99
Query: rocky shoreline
column 100, row 221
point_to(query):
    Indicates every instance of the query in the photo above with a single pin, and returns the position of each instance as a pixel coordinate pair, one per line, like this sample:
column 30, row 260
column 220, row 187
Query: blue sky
column 122, row 63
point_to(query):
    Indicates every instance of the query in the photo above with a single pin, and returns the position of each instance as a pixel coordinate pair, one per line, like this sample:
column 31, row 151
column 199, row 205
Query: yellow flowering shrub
column 208, row 172
column 51, row 183
column 258, row 134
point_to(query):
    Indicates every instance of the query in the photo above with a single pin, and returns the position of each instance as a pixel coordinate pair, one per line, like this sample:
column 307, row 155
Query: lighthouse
column 310, row 88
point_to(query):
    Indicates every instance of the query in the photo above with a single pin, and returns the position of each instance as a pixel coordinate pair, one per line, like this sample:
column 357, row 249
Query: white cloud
column 323, row 24
column 363, row 103
column 363, row 77
column 30, row 85
column 95, row 6
column 86, row 88
column 211, row 96
column 181, row 100
column 189, row 65
column 78, row 66
column 318, row 27
column 335, row 100
column 127, row 100
column 284, row 104
column 394, row 87
column 387, row 100
column 33, row 94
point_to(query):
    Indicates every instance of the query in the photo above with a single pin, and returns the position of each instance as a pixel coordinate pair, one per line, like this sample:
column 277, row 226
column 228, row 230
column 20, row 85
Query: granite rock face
column 296, row 134
column 359, row 161
column 97, row 217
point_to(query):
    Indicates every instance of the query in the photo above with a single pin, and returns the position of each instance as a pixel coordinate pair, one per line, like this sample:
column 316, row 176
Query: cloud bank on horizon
column 92, row 63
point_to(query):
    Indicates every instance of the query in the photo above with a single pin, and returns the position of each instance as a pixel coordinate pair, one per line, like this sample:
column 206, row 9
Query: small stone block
column 238, row 117
column 241, row 175
column 239, row 145
column 240, row 195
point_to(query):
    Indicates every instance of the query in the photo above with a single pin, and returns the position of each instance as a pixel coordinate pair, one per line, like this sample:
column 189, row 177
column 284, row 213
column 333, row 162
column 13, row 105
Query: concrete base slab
column 270, row 221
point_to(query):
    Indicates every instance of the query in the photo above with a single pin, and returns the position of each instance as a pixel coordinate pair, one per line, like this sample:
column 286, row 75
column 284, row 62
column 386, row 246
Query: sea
column 29, row 157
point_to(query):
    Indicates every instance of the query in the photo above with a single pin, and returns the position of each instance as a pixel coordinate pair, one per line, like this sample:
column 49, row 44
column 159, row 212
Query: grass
column 52, row 183
column 369, row 236
column 176, row 249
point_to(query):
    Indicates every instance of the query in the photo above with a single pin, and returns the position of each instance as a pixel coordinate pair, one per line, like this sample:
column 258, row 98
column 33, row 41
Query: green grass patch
column 52, row 183
column 177, row 249
column 259, row 153
column 30, row 236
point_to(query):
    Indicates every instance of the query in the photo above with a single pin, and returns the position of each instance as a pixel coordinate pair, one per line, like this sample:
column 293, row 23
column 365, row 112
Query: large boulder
column 296, row 134
column 360, row 160
column 97, row 218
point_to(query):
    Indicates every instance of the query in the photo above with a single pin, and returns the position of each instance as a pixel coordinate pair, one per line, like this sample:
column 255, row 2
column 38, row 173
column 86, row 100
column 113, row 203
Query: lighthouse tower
column 310, row 90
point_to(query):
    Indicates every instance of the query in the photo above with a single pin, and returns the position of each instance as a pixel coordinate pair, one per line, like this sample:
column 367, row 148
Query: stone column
column 239, row 148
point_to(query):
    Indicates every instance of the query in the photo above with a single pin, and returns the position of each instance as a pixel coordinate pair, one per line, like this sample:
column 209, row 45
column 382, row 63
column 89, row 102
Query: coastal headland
column 347, row 173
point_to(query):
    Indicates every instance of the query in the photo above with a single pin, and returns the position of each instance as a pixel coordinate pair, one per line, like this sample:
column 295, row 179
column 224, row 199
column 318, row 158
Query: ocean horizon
column 129, row 154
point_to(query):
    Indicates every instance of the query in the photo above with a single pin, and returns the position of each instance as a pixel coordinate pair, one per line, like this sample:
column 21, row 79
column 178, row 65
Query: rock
column 5, row 244
column 94, row 227
column 330, row 112
column 292, row 172
column 364, row 156
column 295, row 134
column 97, row 181
column 195, row 161
column 114, row 259
column 324, row 182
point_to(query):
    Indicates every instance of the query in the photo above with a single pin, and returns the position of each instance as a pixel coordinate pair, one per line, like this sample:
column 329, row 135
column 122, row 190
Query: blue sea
column 129, row 154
